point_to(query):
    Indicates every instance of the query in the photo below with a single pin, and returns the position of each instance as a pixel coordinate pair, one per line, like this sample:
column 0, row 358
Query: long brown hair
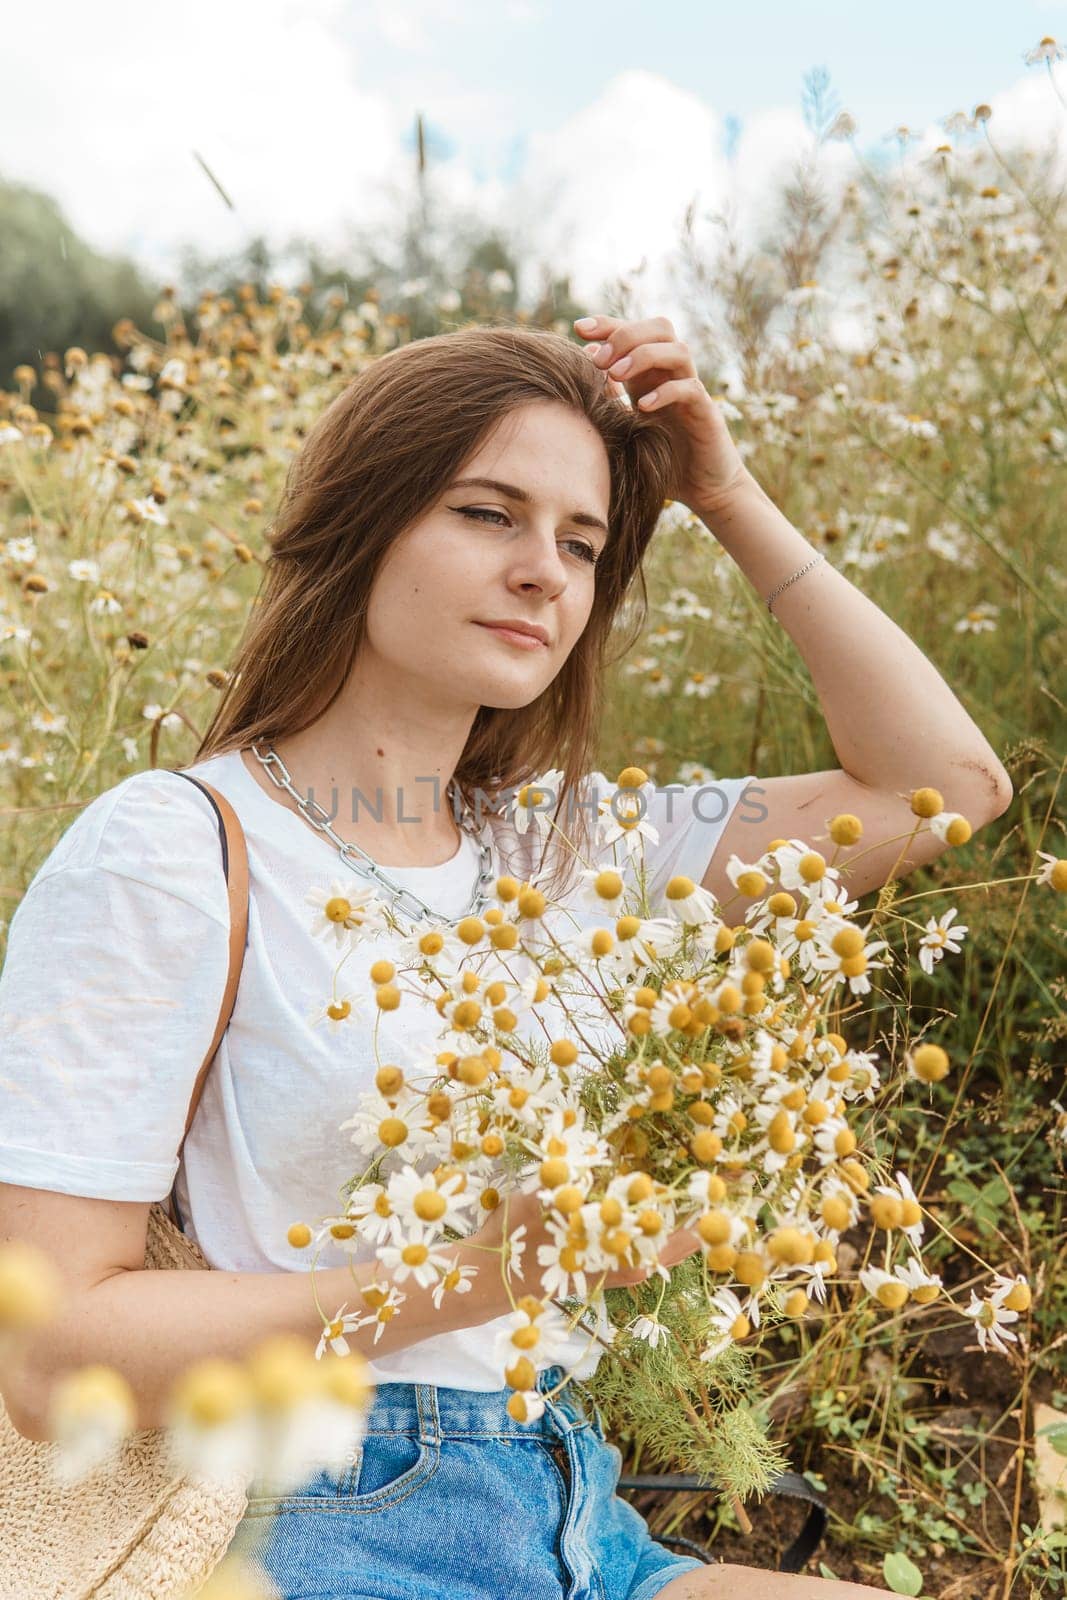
column 371, row 465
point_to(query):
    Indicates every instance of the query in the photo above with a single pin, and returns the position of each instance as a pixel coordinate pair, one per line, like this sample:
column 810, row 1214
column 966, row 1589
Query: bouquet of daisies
column 718, row 1095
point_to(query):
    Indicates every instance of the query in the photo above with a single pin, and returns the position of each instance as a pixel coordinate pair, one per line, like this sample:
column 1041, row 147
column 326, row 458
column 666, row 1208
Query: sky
column 585, row 128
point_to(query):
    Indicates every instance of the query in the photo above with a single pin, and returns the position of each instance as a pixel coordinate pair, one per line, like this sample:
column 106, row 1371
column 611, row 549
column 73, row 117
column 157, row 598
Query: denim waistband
column 433, row 1412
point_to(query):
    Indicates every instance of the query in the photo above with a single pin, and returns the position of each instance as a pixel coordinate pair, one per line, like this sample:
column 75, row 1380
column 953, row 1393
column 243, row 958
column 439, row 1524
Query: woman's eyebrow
column 586, row 518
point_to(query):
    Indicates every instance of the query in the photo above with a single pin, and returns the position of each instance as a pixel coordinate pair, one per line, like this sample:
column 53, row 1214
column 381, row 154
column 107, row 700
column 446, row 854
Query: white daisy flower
column 333, row 1333
column 345, row 910
column 84, row 571
column 728, row 1325
column 542, row 1346
column 990, row 1317
column 650, row 1329
column 455, row 1281
column 421, row 1198
column 415, row 1257
column 535, row 802
column 938, row 939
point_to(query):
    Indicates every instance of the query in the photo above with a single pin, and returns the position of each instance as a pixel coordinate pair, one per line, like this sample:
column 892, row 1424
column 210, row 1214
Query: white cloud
column 103, row 107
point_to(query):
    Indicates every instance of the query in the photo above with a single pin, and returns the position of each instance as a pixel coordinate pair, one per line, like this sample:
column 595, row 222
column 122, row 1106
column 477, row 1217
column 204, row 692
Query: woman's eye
column 586, row 551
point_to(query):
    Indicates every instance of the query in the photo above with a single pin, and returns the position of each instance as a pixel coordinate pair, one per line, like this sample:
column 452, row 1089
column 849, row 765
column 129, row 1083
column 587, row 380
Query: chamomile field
column 928, row 462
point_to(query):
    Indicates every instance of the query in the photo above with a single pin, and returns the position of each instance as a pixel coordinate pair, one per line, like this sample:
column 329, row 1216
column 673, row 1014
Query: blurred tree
column 55, row 290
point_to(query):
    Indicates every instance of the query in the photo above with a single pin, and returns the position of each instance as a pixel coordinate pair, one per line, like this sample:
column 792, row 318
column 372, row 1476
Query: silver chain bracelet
column 798, row 574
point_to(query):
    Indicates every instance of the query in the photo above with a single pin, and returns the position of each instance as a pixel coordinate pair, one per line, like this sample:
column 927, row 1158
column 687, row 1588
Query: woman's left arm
column 895, row 724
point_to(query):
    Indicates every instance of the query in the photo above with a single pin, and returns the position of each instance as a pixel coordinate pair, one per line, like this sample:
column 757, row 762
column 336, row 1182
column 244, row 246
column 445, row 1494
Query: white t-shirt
column 110, row 993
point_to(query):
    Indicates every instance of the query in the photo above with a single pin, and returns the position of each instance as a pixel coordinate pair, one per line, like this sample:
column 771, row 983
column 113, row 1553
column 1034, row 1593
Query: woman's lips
column 525, row 641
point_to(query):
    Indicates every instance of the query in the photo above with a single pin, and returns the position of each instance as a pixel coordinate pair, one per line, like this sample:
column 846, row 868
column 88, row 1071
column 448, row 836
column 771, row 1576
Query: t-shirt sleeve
column 690, row 819
column 116, row 965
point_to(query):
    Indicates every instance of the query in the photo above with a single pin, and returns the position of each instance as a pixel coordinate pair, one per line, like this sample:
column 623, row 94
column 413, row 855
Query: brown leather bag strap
column 235, row 866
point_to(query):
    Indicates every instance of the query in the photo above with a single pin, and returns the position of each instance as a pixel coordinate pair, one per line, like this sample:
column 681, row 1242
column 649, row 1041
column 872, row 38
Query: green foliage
column 55, row 290
column 639, row 1395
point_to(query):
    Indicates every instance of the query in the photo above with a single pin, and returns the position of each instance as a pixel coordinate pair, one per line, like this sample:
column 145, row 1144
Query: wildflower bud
column 846, row 829
column 392, row 1132
column 751, row 883
column 554, row 1172
column 791, row 1247
column 532, row 903
column 631, row 778
column 847, row 942
column 429, row 1205
column 525, row 1407
column 782, row 904
column 1057, row 877
column 886, row 1211
column 926, row 803
column 855, row 1176
column 729, row 999
column 507, row 889
column 724, row 939
column 714, row 1227
column 387, row 997
column 760, row 955
column 812, row 866
column 749, row 1269
column 892, row 1295
column 910, row 1212
column 504, row 937
column 212, row 1392
column 347, row 1380
column 299, row 1235
column 523, row 1375
column 1018, row 1297
column 844, row 1142
column 705, row 1145
column 780, row 1133
column 929, row 1063
column 836, row 1212
column 389, row 1080
column 721, row 1257
column 796, row 1303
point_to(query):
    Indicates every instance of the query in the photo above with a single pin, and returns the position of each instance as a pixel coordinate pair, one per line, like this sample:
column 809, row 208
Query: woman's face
column 481, row 555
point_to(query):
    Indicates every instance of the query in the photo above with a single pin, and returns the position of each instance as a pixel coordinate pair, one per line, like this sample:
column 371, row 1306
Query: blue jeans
column 448, row 1498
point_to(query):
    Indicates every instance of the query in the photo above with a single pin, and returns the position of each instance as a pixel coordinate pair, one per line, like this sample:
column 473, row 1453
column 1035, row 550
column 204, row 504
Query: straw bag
column 131, row 1531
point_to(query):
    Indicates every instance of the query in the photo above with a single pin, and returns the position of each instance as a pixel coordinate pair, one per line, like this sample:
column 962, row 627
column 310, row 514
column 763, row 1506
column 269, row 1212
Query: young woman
column 455, row 543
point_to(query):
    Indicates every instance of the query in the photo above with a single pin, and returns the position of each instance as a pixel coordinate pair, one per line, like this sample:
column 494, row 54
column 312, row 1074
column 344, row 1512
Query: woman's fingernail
column 585, row 323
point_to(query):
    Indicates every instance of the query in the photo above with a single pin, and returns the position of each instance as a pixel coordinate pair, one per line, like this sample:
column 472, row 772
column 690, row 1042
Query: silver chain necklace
column 400, row 898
